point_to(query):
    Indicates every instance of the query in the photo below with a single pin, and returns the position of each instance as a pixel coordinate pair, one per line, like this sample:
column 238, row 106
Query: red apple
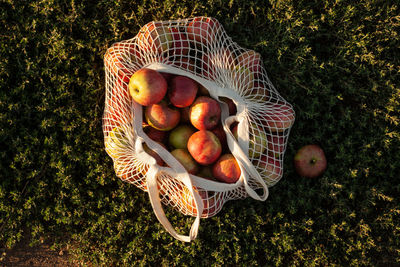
column 154, row 37
column 251, row 60
column 259, row 92
column 279, row 117
column 220, row 133
column 310, row 161
column 181, row 44
column 205, row 113
column 179, row 136
column 182, row 91
column 167, row 76
column 114, row 61
column 226, row 169
column 183, row 156
column 270, row 168
column 276, row 145
column 204, row 147
column 235, row 131
column 212, row 202
column 154, row 134
column 203, row 91
column 203, row 30
column 147, row 87
column 162, row 117
column 154, row 154
column 183, row 63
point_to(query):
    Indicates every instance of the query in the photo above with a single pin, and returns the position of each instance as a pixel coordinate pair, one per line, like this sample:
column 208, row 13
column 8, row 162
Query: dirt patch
column 24, row 255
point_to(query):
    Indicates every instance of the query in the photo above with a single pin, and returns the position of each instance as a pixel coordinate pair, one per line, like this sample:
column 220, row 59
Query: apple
column 154, row 134
column 154, row 37
column 154, row 154
column 234, row 131
column 147, row 87
column 181, row 44
column 203, row 30
column 183, row 63
column 179, row 136
column 226, row 169
column 183, row 156
column 270, row 168
column 243, row 77
column 162, row 117
column 204, row 147
column 257, row 141
column 258, row 92
column 310, row 161
column 167, row 76
column 231, row 105
column 220, row 133
column 279, row 117
column 115, row 58
column 116, row 142
column 212, row 202
column 276, row 145
column 182, row 91
column 206, row 173
column 205, row 113
column 251, row 60
column 208, row 68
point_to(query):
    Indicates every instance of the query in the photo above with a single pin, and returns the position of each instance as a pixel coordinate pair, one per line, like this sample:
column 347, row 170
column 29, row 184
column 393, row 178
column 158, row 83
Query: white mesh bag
column 200, row 49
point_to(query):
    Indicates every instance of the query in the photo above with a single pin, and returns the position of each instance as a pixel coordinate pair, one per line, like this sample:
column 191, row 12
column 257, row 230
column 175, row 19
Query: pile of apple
column 180, row 115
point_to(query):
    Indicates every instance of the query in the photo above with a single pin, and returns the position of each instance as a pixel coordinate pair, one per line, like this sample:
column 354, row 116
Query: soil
column 42, row 255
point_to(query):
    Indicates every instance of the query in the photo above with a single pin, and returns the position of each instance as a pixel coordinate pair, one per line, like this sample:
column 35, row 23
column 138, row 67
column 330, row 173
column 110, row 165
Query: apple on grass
column 226, row 169
column 162, row 117
column 205, row 113
column 310, row 161
column 179, row 136
column 147, row 87
column 204, row 147
column 183, row 156
column 182, row 91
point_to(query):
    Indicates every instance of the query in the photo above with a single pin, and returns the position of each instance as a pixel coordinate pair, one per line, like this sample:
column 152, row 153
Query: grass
column 335, row 61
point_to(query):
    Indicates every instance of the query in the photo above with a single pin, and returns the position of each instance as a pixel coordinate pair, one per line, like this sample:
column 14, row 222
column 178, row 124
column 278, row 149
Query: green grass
column 336, row 63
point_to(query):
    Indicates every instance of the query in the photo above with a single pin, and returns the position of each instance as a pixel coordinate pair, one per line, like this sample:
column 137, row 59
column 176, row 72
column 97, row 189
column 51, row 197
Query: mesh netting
column 257, row 127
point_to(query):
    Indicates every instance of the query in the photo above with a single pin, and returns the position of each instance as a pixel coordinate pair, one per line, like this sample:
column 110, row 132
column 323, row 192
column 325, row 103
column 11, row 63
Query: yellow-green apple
column 220, row 133
column 231, row 105
column 154, row 37
column 147, row 87
column 257, row 141
column 276, row 145
column 243, row 77
column 203, row 30
column 310, row 161
column 154, row 154
column 270, row 168
column 183, row 156
column 179, row 136
column 154, row 134
column 279, row 117
column 205, row 147
column 205, row 113
column 226, row 169
column 116, row 142
column 251, row 60
column 162, row 117
column 180, row 43
column 182, row 91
